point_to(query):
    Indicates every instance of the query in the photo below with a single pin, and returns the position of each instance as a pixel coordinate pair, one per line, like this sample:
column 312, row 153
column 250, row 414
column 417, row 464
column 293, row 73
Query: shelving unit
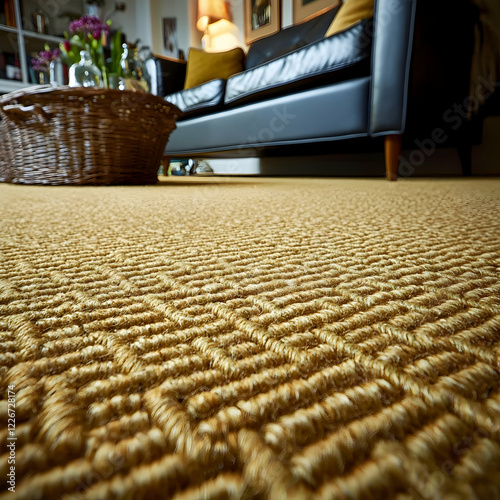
column 19, row 40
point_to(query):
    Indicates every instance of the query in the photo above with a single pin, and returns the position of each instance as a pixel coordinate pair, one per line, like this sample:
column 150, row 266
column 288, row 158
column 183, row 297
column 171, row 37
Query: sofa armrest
column 391, row 54
column 165, row 75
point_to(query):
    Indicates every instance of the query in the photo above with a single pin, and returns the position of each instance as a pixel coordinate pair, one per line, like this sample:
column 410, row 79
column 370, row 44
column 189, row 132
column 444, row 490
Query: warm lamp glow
column 211, row 11
column 223, row 36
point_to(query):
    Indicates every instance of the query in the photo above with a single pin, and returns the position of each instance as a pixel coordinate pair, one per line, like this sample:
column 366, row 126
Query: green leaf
column 116, row 53
column 76, row 40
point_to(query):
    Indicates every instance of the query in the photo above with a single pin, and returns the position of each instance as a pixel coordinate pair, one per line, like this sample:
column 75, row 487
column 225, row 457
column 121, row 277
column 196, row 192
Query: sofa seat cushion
column 345, row 55
column 197, row 99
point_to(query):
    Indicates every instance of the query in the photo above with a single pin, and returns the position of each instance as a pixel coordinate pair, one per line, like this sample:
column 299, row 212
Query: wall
column 286, row 13
column 126, row 21
column 170, row 8
column 149, row 13
column 239, row 17
column 144, row 20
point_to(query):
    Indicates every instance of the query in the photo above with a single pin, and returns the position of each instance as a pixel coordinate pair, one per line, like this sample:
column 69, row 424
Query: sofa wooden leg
column 392, row 154
column 165, row 162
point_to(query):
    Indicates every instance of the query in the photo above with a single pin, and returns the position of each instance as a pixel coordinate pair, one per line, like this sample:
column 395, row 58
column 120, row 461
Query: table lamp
column 211, row 11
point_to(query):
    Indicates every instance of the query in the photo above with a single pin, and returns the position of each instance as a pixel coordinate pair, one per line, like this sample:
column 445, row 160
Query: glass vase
column 132, row 71
column 85, row 73
column 93, row 9
column 43, row 77
column 56, row 73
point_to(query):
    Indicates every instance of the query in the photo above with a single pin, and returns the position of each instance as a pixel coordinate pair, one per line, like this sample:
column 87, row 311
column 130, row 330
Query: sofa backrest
column 164, row 75
column 289, row 39
column 393, row 27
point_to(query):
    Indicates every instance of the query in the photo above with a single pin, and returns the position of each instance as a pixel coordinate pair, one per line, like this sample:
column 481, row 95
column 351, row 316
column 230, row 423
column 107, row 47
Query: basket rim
column 86, row 92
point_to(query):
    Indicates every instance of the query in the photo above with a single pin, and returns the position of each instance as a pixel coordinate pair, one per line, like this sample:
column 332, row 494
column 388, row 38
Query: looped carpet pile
column 252, row 338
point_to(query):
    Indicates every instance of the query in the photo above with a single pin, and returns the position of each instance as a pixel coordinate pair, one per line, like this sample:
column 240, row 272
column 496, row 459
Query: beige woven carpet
column 251, row 338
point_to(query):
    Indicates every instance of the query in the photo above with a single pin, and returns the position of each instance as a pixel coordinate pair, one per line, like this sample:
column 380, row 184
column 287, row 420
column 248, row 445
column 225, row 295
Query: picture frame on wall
column 170, row 39
column 262, row 18
column 304, row 10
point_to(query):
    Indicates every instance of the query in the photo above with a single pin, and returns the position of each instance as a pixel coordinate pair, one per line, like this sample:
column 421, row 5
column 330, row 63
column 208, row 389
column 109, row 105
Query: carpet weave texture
column 237, row 338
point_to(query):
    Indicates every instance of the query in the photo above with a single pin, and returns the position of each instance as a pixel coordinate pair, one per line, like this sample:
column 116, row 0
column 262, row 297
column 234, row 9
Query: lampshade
column 211, row 11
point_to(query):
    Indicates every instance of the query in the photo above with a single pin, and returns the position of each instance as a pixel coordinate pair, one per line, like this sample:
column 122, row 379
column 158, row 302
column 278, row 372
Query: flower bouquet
column 92, row 60
column 90, row 34
column 45, row 60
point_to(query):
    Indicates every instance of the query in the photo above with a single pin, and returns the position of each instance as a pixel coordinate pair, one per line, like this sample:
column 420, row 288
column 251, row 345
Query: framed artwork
column 306, row 9
column 170, row 41
column 262, row 18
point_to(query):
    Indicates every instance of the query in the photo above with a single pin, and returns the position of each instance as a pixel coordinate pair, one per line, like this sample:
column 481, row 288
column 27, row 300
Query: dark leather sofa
column 302, row 90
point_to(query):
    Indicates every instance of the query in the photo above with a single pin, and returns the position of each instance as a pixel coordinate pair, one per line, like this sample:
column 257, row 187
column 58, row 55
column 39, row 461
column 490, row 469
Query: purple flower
column 89, row 25
column 45, row 57
column 39, row 65
column 87, row 33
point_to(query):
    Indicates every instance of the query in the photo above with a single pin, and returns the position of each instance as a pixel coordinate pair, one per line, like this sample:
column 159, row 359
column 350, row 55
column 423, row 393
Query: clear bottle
column 43, row 78
column 56, row 73
column 126, row 63
column 132, row 69
column 85, row 73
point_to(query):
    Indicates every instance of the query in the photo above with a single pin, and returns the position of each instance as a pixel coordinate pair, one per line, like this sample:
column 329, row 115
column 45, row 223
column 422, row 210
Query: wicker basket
column 65, row 135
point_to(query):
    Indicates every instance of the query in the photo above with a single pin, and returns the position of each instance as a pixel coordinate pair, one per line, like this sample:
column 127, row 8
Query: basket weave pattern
column 64, row 135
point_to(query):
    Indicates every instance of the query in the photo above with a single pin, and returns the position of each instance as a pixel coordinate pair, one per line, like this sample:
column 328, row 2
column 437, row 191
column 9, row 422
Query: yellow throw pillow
column 205, row 66
column 350, row 12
